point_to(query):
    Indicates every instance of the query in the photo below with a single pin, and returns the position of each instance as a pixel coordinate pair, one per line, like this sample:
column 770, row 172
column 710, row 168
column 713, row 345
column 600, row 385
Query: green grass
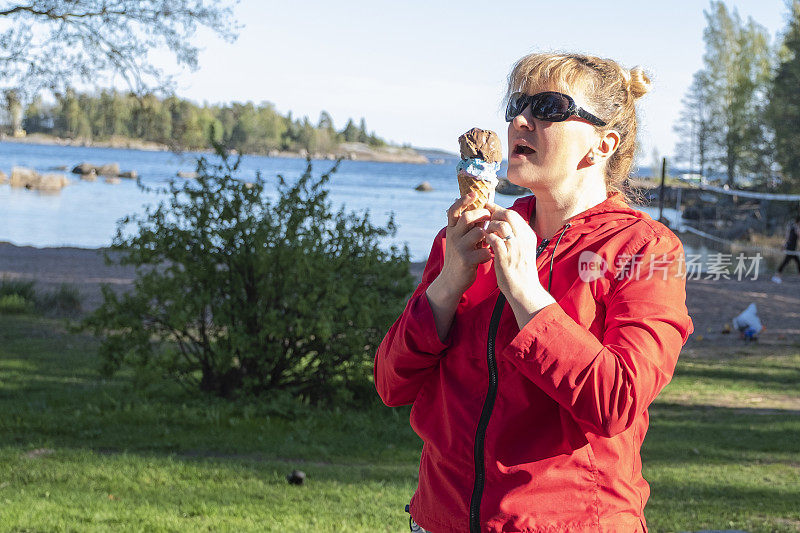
column 135, row 453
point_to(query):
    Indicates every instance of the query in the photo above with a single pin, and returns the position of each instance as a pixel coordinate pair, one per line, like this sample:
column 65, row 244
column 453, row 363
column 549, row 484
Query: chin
column 519, row 178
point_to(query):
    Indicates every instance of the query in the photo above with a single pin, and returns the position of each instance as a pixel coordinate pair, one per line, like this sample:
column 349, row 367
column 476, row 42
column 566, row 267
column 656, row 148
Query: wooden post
column 661, row 190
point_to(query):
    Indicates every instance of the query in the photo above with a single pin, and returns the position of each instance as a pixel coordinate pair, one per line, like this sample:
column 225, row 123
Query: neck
column 555, row 206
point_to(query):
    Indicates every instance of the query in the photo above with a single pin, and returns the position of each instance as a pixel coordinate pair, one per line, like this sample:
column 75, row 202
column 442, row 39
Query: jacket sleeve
column 607, row 384
column 410, row 351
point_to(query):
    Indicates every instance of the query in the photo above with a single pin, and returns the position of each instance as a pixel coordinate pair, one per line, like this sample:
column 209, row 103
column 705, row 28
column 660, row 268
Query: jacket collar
column 613, row 207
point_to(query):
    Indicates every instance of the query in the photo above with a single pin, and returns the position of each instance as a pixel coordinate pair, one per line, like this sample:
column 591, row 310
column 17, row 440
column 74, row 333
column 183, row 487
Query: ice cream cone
column 468, row 183
column 481, row 154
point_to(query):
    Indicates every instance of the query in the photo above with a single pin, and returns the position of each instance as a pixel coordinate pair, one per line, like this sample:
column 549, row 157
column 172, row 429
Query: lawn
column 135, row 453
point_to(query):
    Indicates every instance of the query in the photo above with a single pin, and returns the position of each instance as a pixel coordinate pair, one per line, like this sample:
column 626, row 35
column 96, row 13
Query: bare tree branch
column 55, row 44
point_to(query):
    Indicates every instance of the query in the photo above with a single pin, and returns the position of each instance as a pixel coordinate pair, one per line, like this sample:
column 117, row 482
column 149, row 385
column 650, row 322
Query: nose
column 524, row 120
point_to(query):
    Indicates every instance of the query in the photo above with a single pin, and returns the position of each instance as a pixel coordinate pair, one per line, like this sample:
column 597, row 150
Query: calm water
column 85, row 214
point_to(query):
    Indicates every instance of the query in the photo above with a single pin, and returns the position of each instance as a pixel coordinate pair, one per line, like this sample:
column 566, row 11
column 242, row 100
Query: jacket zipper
column 486, row 412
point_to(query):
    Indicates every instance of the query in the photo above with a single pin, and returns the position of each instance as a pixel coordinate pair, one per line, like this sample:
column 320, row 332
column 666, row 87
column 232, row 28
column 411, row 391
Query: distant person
column 531, row 362
column 790, row 246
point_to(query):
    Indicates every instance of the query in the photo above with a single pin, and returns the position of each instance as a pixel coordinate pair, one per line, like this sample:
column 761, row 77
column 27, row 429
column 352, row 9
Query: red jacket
column 541, row 429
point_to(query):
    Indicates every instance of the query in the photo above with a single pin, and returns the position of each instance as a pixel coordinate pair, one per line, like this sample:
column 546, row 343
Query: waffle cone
column 468, row 183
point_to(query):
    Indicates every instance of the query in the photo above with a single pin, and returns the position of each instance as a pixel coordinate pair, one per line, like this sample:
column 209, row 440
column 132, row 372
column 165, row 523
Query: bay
column 85, row 214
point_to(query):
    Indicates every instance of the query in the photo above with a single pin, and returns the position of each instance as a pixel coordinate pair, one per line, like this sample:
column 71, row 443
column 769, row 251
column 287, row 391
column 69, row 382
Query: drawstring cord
column 553, row 256
column 543, row 245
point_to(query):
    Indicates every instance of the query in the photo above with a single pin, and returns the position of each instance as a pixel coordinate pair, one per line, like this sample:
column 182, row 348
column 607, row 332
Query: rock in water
column 111, row 169
column 52, row 182
column 297, row 477
column 24, row 177
column 424, row 187
column 83, row 168
column 509, row 189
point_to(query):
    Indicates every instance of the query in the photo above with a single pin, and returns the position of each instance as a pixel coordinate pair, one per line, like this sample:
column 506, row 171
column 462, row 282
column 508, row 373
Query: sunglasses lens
column 516, row 103
column 552, row 107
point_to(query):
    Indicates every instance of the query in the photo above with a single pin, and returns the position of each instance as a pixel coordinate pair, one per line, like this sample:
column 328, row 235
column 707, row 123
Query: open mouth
column 523, row 150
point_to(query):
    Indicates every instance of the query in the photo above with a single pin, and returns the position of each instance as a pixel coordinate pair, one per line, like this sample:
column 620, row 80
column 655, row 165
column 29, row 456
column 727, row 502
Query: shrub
column 66, row 300
column 15, row 304
column 24, row 289
column 239, row 293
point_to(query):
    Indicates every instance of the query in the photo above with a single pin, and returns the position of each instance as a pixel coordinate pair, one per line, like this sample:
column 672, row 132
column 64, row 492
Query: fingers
column 458, row 217
column 474, row 215
column 479, row 256
column 507, row 215
column 492, row 207
column 500, row 227
column 458, row 207
column 507, row 222
column 471, row 239
column 499, row 247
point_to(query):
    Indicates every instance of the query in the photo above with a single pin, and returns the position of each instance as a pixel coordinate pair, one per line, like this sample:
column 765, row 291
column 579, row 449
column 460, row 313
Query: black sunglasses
column 550, row 106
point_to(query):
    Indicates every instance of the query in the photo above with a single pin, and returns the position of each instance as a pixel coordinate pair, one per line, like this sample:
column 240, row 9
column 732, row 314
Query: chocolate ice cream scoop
column 481, row 144
column 481, row 154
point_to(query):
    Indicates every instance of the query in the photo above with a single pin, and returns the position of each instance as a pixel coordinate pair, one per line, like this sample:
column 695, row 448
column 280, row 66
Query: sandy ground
column 50, row 267
column 711, row 303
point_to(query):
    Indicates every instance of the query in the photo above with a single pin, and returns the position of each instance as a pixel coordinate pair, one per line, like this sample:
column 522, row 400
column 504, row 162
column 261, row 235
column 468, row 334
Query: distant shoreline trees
column 182, row 124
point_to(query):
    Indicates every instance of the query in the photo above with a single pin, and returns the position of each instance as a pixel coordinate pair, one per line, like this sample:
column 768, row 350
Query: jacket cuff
column 421, row 327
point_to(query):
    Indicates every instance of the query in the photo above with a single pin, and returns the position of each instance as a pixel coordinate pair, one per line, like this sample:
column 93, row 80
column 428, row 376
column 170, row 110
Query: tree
column 694, row 126
column 36, row 117
column 325, row 121
column 784, row 104
column 54, row 44
column 14, row 107
column 350, row 132
column 655, row 163
column 737, row 71
column 363, row 136
column 237, row 293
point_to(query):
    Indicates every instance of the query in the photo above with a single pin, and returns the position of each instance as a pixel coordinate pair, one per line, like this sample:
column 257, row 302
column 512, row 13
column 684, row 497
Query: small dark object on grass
column 297, row 477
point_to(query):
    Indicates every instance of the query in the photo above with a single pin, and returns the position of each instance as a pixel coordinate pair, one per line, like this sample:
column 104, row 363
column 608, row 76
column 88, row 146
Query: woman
column 790, row 247
column 531, row 363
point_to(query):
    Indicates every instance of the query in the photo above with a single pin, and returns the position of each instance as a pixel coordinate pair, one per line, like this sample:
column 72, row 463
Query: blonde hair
column 610, row 89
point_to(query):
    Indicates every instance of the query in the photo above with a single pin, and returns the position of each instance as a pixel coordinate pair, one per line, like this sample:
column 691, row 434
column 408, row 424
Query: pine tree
column 784, row 105
column 694, row 126
column 350, row 132
column 363, row 136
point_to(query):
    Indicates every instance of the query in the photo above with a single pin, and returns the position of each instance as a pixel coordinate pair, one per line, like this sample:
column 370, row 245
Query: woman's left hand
column 513, row 243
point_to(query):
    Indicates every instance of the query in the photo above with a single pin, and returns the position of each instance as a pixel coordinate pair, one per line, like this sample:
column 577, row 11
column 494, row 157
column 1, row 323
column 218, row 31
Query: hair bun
column 638, row 83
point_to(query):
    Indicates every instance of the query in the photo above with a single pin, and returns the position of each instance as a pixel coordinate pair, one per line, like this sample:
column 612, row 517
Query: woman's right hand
column 464, row 248
column 464, row 251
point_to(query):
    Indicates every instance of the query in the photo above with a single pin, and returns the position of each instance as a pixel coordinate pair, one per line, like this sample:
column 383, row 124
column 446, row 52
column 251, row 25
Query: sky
column 423, row 72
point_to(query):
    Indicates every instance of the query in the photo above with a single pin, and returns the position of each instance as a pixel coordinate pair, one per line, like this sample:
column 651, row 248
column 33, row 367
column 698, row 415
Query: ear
column 608, row 144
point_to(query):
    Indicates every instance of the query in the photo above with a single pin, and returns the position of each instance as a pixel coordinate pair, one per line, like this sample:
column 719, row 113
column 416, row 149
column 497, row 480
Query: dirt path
column 50, row 267
column 711, row 303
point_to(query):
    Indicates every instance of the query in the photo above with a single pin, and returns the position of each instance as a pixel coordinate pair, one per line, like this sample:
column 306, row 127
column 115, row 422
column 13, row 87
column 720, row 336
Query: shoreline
column 711, row 303
column 346, row 151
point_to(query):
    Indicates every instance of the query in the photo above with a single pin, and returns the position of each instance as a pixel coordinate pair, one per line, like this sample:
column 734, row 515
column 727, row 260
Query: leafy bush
column 15, row 304
column 238, row 293
column 66, row 300
column 24, row 289
column 18, row 296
